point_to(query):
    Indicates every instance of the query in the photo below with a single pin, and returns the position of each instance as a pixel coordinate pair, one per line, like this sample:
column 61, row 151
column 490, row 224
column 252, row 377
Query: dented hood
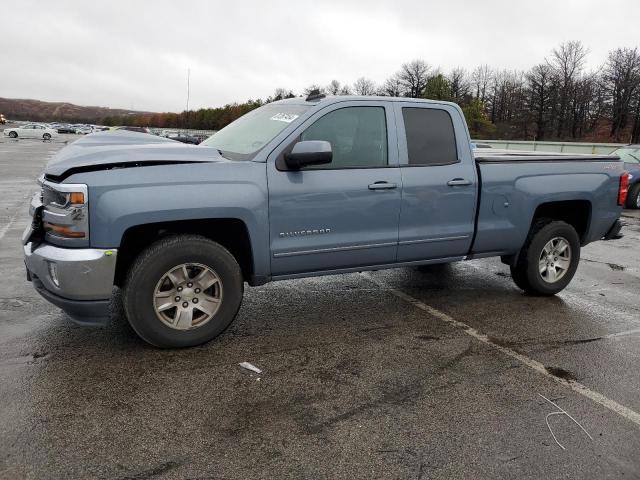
column 121, row 149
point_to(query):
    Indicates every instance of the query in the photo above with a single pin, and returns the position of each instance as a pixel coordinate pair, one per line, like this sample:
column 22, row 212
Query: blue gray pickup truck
column 299, row 188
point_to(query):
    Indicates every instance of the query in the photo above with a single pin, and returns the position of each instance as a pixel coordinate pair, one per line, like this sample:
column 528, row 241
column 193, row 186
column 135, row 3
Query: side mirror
column 308, row 152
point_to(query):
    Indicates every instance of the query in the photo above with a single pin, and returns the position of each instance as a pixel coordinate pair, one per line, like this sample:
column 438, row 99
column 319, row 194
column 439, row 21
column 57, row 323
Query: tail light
column 623, row 189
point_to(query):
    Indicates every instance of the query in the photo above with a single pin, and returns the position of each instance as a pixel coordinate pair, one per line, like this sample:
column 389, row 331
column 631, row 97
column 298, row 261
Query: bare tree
column 539, row 96
column 622, row 82
column 506, row 102
column 364, row 86
column 481, row 78
column 279, row 94
column 334, row 87
column 635, row 131
column 567, row 62
column 585, row 110
column 392, row 87
column 413, row 77
column 459, row 85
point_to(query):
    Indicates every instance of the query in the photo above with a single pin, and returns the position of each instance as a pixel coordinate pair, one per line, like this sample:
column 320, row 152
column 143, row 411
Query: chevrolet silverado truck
column 298, row 188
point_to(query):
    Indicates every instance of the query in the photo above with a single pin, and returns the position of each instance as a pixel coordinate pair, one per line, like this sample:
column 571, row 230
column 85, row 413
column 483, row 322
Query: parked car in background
column 31, row 130
column 630, row 155
column 65, row 128
column 84, row 130
column 134, row 129
column 184, row 138
column 201, row 138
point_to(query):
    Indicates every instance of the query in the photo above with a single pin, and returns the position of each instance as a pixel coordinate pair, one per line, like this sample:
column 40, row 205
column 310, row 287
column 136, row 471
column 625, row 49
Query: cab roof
column 330, row 99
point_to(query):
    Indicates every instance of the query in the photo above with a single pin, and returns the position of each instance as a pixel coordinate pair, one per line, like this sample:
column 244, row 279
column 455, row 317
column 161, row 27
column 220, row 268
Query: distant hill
column 37, row 111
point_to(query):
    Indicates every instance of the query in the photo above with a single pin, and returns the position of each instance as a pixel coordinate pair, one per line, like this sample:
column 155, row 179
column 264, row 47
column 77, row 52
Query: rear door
column 439, row 182
column 344, row 214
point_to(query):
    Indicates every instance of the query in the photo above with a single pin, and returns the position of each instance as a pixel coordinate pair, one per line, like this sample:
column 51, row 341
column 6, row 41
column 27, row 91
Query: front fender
column 121, row 199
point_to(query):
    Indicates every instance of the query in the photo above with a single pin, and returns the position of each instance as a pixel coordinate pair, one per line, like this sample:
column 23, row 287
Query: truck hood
column 124, row 149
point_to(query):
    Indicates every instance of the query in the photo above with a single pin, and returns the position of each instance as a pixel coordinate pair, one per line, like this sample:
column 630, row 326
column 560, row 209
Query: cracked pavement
column 357, row 381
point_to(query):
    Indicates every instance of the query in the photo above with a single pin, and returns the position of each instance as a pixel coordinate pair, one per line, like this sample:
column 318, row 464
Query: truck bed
column 514, row 184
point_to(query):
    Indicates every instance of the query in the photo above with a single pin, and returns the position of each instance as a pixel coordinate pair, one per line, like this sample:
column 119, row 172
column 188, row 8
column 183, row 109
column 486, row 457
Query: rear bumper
column 614, row 231
column 78, row 280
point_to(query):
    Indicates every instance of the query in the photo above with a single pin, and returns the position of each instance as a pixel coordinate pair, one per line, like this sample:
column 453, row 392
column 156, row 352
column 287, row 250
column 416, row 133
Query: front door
column 344, row 214
column 28, row 131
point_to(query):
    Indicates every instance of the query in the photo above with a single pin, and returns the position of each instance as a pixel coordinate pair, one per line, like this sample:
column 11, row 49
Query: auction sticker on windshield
column 285, row 117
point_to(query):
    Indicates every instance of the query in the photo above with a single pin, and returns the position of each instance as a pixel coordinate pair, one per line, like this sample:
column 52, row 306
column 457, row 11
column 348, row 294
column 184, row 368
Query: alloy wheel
column 555, row 259
column 187, row 296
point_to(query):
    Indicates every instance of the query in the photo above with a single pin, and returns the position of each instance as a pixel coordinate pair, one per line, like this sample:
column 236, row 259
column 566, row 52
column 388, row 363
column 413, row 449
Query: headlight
column 65, row 213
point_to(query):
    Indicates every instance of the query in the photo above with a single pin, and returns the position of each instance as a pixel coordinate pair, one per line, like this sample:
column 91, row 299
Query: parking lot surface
column 450, row 372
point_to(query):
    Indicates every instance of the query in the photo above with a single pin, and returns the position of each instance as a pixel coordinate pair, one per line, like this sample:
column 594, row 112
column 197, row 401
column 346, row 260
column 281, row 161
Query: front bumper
column 78, row 280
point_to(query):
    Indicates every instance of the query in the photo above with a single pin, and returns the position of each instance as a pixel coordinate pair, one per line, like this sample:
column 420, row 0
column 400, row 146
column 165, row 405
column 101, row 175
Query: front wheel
column 633, row 198
column 13, row 134
column 549, row 258
column 182, row 291
column 46, row 136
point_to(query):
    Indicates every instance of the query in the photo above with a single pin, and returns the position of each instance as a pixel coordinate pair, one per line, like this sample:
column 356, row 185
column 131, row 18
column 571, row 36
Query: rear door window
column 430, row 136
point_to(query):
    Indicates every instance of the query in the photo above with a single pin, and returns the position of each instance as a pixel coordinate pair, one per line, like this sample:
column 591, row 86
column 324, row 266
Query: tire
column 633, row 197
column 13, row 134
column 543, row 275
column 46, row 136
column 148, row 282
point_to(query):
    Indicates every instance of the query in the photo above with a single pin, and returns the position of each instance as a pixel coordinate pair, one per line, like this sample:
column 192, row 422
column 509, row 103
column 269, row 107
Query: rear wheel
column 633, row 197
column 549, row 258
column 182, row 291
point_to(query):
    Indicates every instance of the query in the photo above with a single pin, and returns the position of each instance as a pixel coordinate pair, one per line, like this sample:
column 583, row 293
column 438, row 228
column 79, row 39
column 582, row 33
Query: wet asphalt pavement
column 390, row 374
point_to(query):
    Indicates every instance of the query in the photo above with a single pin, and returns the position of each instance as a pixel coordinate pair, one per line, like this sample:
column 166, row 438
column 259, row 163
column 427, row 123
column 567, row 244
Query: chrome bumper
column 72, row 273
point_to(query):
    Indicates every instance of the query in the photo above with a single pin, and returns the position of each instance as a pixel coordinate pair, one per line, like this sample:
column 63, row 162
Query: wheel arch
column 231, row 233
column 576, row 213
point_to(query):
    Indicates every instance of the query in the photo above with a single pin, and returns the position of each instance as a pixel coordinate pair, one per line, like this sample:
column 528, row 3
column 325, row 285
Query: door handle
column 382, row 186
column 458, row 182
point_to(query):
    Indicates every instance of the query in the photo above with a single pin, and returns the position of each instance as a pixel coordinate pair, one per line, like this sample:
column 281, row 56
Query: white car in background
column 84, row 129
column 31, row 130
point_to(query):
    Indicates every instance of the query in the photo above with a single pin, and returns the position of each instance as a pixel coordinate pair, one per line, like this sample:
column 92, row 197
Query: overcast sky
column 135, row 54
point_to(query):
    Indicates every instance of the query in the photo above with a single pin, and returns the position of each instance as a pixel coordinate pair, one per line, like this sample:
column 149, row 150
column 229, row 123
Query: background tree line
column 557, row 99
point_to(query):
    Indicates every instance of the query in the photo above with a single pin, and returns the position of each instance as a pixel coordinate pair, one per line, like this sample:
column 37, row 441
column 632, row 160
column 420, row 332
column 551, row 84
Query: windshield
column 241, row 139
column 628, row 155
